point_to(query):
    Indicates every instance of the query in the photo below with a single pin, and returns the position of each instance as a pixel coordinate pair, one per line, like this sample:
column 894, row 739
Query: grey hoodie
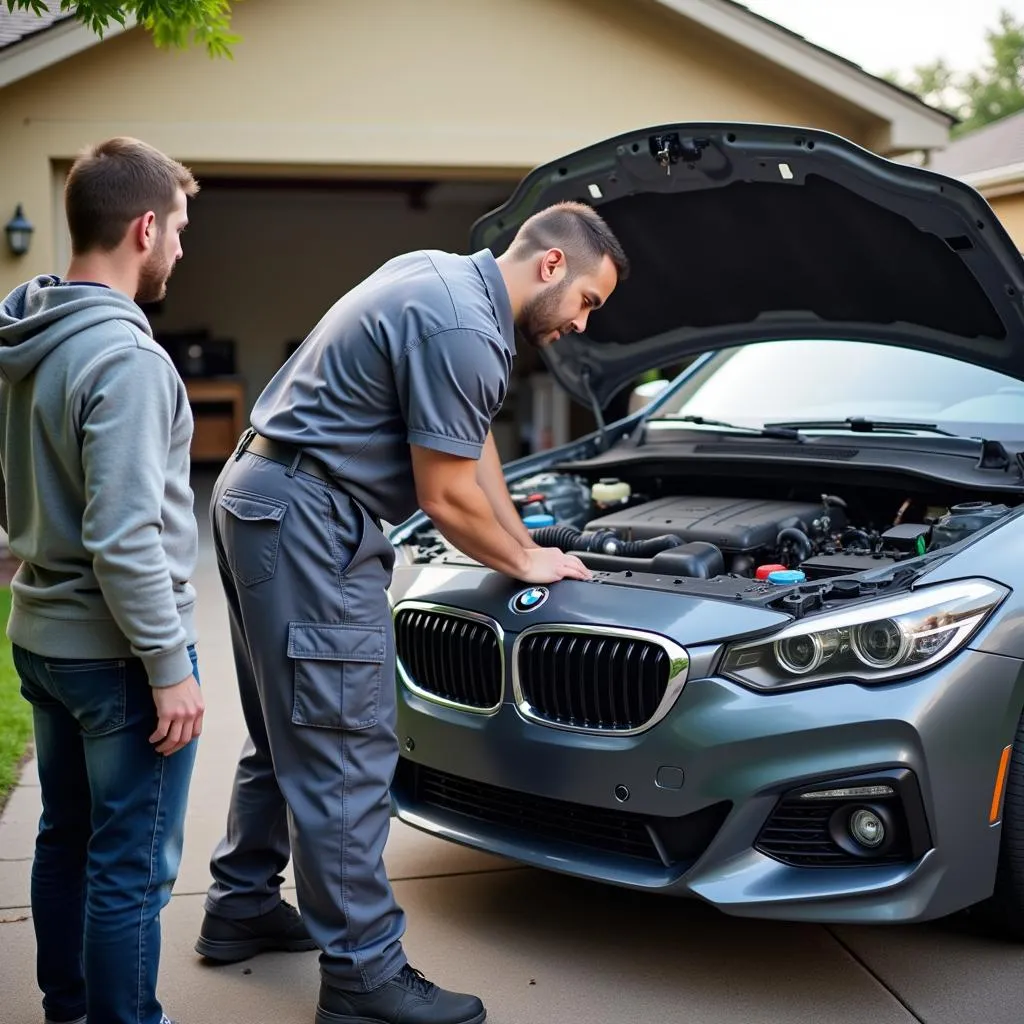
column 95, row 430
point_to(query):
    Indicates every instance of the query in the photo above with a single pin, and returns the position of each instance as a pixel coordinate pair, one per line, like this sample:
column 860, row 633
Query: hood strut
column 595, row 406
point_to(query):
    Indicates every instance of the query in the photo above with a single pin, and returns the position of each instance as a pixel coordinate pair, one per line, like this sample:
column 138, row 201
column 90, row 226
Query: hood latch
column 669, row 149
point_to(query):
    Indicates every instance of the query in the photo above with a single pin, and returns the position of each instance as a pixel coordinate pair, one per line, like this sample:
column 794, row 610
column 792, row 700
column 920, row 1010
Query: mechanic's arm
column 491, row 478
column 451, row 384
column 448, row 492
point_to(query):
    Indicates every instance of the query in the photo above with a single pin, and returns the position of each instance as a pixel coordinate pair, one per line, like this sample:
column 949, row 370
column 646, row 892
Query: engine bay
column 788, row 532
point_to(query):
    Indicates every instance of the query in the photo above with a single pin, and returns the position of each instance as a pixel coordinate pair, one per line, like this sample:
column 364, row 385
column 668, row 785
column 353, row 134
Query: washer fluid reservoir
column 963, row 520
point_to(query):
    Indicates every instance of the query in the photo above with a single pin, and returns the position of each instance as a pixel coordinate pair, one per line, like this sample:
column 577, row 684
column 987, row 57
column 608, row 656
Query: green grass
column 15, row 711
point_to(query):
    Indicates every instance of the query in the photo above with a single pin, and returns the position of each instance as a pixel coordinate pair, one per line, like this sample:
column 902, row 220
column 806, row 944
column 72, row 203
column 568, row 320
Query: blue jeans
column 110, row 836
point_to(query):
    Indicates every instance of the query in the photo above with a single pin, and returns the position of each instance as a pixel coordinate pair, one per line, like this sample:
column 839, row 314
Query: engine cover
column 732, row 524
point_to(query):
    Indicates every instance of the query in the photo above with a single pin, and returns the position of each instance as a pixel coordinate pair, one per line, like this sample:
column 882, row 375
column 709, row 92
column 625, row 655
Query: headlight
column 872, row 643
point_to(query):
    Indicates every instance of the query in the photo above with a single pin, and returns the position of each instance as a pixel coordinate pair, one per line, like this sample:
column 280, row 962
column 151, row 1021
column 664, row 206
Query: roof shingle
column 21, row 24
column 1000, row 144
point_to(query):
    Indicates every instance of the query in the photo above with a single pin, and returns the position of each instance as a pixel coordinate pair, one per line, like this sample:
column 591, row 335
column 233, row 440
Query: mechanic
column 386, row 407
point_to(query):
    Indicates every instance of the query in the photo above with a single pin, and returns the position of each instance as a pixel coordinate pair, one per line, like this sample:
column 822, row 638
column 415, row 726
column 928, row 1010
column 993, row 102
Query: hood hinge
column 993, row 456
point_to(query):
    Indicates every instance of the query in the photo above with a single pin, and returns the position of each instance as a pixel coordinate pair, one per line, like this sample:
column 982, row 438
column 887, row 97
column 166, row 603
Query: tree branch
column 171, row 23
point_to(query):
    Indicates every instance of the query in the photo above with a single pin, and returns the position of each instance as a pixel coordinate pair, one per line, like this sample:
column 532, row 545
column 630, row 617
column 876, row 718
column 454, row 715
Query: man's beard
column 539, row 317
column 153, row 277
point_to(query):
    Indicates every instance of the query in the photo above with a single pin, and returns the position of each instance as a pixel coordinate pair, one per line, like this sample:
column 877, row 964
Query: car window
column 831, row 380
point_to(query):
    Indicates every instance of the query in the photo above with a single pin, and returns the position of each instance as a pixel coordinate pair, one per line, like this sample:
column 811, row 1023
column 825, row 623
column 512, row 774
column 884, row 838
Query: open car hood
column 746, row 232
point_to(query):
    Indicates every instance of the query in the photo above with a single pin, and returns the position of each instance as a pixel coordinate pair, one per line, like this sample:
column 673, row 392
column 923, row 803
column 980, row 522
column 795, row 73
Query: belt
column 279, row 451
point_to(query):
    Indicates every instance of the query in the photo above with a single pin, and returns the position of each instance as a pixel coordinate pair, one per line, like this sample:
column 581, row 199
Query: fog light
column 867, row 828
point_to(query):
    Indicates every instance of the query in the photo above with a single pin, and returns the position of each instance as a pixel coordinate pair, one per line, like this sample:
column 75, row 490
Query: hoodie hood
column 42, row 313
column 743, row 233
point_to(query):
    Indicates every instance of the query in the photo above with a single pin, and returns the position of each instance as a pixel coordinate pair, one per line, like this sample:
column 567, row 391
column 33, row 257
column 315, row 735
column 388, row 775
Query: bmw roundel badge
column 529, row 600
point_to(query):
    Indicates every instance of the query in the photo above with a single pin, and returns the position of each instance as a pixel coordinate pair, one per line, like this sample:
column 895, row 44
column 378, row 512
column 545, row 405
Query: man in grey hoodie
column 95, row 430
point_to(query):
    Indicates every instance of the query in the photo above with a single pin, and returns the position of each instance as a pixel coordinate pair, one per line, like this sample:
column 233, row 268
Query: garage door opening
column 265, row 259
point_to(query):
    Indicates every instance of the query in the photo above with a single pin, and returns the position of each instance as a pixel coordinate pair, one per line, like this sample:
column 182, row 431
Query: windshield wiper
column 862, row 425
column 785, row 431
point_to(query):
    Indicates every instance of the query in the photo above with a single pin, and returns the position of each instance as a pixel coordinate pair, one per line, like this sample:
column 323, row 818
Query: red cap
column 763, row 570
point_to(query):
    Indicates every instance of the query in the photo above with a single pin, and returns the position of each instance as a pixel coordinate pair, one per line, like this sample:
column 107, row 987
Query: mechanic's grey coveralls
column 419, row 353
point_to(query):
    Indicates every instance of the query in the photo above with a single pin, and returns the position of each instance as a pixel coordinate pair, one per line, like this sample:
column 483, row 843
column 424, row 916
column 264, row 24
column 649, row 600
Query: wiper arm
column 784, row 431
column 862, row 425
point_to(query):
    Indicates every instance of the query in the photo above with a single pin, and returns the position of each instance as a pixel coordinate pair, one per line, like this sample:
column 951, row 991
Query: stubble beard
column 153, row 277
column 539, row 317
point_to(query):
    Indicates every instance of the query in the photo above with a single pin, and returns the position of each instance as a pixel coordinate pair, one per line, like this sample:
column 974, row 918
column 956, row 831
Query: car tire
column 1003, row 912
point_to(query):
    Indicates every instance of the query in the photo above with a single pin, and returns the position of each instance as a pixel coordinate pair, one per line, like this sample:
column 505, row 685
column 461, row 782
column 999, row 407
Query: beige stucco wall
column 345, row 86
column 1010, row 211
column 262, row 266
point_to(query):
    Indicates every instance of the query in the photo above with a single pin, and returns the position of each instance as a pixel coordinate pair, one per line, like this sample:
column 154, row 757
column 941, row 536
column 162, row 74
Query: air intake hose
column 648, row 548
column 556, row 536
column 568, row 538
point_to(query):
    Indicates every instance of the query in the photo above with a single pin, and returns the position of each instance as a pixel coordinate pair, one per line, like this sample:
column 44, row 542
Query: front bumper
column 710, row 775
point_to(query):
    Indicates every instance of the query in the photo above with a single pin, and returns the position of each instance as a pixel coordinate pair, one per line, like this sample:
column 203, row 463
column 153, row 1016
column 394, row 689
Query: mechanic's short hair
column 112, row 183
column 575, row 228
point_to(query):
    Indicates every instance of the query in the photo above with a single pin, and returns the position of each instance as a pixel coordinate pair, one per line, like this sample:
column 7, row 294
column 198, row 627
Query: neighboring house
column 345, row 132
column 991, row 159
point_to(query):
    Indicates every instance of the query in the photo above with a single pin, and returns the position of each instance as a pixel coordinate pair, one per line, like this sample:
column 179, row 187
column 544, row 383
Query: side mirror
column 644, row 394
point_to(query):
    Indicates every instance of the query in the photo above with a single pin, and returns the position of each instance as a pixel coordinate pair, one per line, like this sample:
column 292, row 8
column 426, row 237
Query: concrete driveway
column 538, row 948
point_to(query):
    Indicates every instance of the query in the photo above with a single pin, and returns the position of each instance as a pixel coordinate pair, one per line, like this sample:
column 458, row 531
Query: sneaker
column 407, row 998
column 227, row 941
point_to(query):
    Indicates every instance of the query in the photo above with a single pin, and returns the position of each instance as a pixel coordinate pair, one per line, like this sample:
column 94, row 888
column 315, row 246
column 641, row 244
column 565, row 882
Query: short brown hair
column 575, row 228
column 112, row 183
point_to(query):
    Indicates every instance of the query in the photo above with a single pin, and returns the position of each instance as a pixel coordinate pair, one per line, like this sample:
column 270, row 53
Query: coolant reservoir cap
column 764, row 571
column 786, row 576
column 540, row 519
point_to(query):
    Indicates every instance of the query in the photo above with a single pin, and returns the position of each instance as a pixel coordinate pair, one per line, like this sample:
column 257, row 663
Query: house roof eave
column 913, row 124
column 997, row 180
column 51, row 45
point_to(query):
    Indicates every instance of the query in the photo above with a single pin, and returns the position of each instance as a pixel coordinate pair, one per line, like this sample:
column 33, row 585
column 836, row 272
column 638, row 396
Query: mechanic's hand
column 546, row 565
column 179, row 710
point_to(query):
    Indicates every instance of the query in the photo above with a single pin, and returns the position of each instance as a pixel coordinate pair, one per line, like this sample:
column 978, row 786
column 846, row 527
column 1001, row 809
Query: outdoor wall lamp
column 19, row 233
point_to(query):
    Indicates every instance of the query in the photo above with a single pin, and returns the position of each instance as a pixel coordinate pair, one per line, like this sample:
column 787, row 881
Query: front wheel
column 1003, row 912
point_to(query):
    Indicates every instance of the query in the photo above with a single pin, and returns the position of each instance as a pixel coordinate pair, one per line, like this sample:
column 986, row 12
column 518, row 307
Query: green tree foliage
column 978, row 97
column 177, row 23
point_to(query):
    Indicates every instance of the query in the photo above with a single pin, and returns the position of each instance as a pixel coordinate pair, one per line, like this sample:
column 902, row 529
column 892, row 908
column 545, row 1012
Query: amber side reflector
column 997, row 793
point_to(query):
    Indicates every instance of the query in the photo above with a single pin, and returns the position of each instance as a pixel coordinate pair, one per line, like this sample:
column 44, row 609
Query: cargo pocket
column 337, row 674
column 251, row 530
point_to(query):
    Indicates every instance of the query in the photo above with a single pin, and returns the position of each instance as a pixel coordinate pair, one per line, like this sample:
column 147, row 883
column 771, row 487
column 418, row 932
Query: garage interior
column 266, row 257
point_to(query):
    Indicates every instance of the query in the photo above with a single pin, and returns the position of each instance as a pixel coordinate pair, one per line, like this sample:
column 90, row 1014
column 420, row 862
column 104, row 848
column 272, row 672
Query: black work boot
column 408, row 998
column 83, row 1020
column 227, row 941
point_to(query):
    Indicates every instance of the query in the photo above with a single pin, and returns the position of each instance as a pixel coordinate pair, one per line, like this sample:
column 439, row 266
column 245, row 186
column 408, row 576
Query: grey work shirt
column 418, row 353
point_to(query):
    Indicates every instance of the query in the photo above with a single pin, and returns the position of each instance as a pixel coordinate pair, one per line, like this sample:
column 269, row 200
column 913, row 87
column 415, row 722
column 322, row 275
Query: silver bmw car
column 794, row 687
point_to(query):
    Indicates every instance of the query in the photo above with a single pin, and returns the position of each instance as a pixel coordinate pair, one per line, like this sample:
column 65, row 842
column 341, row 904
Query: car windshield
column 796, row 380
